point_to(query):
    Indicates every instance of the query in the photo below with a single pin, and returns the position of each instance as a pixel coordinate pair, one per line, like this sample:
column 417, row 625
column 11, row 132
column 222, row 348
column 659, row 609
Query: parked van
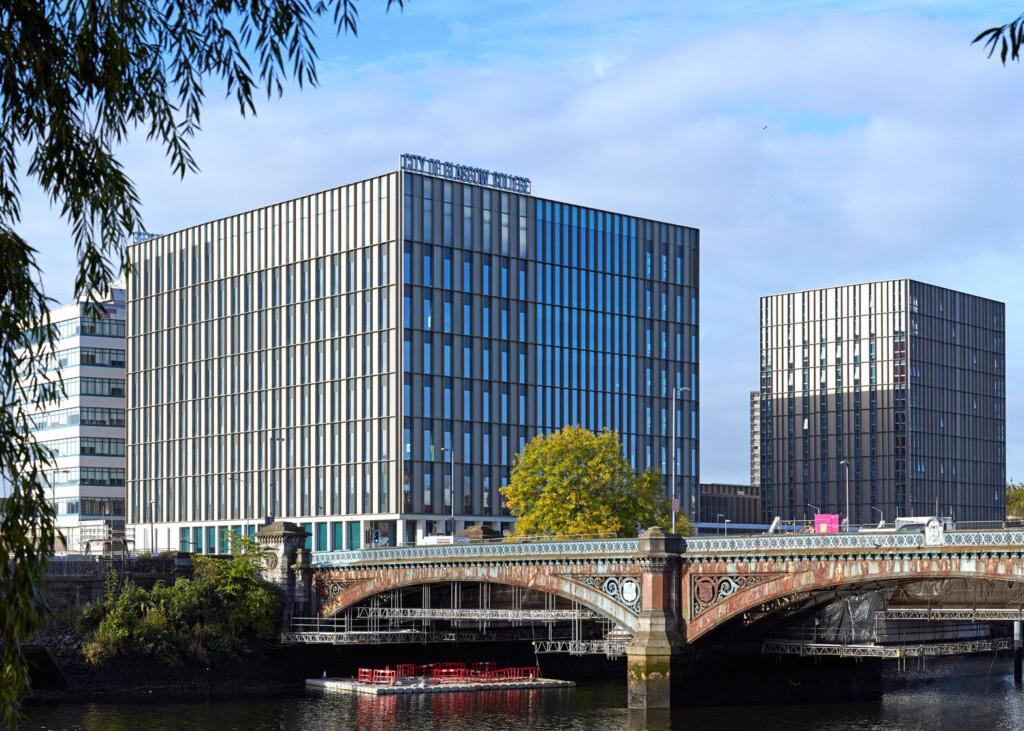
column 441, row 540
column 916, row 524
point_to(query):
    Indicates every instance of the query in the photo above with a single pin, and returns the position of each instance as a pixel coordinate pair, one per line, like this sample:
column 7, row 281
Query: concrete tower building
column 904, row 381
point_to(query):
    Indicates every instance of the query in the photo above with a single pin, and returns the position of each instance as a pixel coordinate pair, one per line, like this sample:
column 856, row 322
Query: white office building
column 84, row 429
column 366, row 361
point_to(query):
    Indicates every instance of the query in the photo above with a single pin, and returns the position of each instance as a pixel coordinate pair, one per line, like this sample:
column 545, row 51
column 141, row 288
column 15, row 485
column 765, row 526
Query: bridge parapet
column 611, row 548
column 869, row 542
column 802, row 542
column 1010, row 538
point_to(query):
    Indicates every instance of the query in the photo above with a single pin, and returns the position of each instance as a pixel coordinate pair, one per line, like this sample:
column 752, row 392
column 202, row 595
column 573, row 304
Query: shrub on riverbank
column 224, row 609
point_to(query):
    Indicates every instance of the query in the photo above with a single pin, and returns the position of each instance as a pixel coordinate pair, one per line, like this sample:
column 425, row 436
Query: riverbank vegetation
column 224, row 610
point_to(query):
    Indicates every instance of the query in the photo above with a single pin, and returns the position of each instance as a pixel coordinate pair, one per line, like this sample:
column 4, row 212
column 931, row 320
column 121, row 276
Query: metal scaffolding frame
column 492, row 615
column 961, row 647
column 939, row 613
column 410, row 636
column 554, row 624
column 607, row 647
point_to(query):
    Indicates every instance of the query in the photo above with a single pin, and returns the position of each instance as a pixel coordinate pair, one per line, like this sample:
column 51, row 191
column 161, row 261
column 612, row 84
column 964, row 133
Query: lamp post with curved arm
column 246, row 501
column 152, row 527
column 846, row 468
column 675, row 391
column 451, row 459
column 273, row 483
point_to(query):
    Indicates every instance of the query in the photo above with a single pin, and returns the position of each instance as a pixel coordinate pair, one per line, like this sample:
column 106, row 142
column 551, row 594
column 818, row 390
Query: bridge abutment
column 658, row 643
column 286, row 541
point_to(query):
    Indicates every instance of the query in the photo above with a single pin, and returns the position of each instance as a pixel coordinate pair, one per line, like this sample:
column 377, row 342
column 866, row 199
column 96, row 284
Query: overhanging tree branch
column 76, row 77
column 1008, row 39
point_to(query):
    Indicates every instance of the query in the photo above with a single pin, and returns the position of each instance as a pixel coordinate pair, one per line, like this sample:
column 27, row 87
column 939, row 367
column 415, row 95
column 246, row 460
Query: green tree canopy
column 1015, row 499
column 574, row 481
column 77, row 77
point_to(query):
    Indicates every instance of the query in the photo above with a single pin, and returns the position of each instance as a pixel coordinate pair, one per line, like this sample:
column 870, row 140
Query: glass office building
column 904, row 381
column 342, row 360
column 78, row 416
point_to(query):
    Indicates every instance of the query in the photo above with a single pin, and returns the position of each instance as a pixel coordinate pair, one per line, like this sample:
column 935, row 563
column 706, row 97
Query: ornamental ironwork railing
column 561, row 549
column 1014, row 538
column 1010, row 539
column 803, row 542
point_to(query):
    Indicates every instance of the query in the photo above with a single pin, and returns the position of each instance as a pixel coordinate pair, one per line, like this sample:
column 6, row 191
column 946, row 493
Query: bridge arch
column 340, row 589
column 717, row 591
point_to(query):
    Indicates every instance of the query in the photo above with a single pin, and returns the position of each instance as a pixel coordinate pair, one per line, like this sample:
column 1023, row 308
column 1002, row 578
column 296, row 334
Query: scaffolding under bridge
column 306, row 633
column 466, row 612
column 889, row 652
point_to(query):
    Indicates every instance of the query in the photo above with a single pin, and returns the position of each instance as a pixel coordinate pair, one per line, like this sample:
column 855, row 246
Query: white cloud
column 891, row 150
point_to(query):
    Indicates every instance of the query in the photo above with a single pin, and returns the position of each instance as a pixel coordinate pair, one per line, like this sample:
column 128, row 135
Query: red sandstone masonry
column 793, row 577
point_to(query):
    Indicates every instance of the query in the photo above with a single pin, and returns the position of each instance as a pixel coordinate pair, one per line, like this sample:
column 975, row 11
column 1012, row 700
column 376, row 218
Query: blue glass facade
column 522, row 315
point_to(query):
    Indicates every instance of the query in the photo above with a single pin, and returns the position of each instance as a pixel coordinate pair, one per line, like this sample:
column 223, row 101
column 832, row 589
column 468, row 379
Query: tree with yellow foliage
column 1015, row 499
column 574, row 481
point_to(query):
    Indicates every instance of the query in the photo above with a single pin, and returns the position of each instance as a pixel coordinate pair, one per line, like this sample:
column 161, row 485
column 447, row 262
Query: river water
column 954, row 693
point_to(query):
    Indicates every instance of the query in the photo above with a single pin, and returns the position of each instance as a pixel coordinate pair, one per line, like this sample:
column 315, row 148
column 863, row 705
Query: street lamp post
column 718, row 519
column 451, row 458
column 274, row 480
column 727, row 521
column 63, row 477
column 675, row 391
column 846, row 468
column 880, row 513
column 814, row 508
column 246, row 500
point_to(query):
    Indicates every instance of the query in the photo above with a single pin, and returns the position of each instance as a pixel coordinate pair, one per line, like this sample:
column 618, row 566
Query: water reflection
column 955, row 693
column 491, row 709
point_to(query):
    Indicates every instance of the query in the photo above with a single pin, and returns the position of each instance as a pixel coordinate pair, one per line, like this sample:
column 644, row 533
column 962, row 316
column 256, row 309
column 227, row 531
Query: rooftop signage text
column 465, row 174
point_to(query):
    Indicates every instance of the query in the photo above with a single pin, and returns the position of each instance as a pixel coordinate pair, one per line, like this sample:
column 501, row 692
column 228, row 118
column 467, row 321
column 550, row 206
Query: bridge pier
column 285, row 543
column 658, row 642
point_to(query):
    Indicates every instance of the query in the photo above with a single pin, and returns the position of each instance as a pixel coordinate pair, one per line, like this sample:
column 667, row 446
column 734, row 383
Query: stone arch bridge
column 667, row 591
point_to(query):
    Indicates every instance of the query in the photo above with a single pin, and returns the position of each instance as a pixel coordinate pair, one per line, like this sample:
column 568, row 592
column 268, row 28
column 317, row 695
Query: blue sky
column 813, row 144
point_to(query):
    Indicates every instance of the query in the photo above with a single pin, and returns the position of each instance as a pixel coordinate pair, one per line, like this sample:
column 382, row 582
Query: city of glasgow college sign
column 465, row 174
